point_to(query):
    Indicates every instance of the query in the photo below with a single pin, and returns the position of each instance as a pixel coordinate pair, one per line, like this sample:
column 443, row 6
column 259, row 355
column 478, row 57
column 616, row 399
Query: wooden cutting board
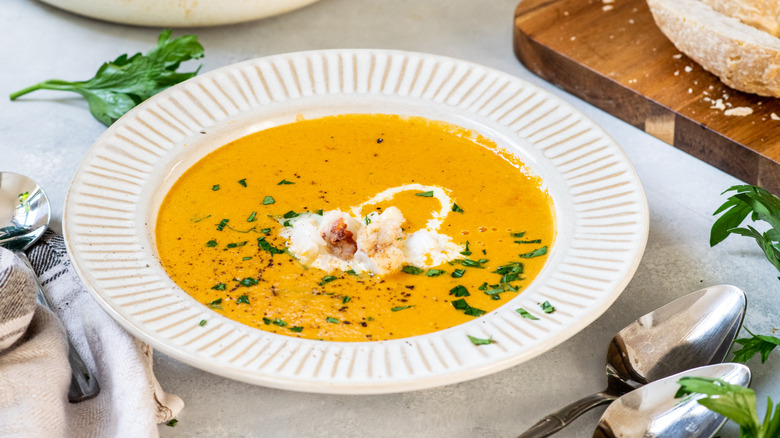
column 610, row 53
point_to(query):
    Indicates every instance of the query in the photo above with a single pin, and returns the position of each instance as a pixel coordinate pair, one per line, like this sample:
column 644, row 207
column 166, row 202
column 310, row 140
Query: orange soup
column 356, row 228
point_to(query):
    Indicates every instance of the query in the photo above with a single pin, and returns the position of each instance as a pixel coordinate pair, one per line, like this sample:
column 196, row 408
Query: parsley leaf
column 535, row 253
column 428, row 194
column 526, row 314
column 734, row 402
column 480, row 341
column 757, row 344
column 123, row 83
column 414, row 270
column 760, row 205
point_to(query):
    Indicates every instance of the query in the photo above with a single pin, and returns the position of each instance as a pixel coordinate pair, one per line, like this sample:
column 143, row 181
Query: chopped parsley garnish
column 483, row 286
column 284, row 182
column 172, row 423
column 219, row 286
column 456, row 209
column 461, row 304
column 345, row 299
column 352, row 272
column 547, row 307
column 332, row 320
column 275, row 321
column 234, row 245
column 518, row 235
column 535, row 253
column 246, row 282
column 396, row 309
column 202, row 322
column 266, row 231
column 268, row 200
column 216, row 304
column 211, row 243
column 526, row 314
column 221, row 225
column 243, row 299
column 215, row 187
column 510, row 268
column 428, row 194
column 252, row 217
column 242, row 182
column 466, row 251
column 290, row 214
column 327, row 279
column 262, row 243
column 434, row 272
column 529, row 241
column 246, row 258
column 319, row 212
column 459, row 291
column 296, row 329
column 367, row 220
column 480, row 341
column 196, row 219
column 414, row 270
column 472, row 263
column 458, row 273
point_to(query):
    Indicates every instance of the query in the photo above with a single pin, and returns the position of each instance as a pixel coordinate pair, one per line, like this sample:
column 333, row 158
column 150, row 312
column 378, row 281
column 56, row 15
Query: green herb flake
column 242, row 182
column 367, row 220
column 219, row 286
column 414, row 270
column 216, row 304
column 234, row 245
column 284, row 182
column 352, row 272
column 246, row 258
column 526, row 314
column 466, row 251
column 547, row 307
column 327, row 279
column 518, row 235
column 247, row 282
column 434, row 272
column 267, row 231
column 221, row 225
column 428, row 194
column 458, row 273
column 202, row 322
column 459, row 291
column 535, row 253
column 262, row 243
column 296, row 329
column 215, row 187
column 211, row 243
column 290, row 214
column 529, row 241
column 345, row 299
column 243, row 299
column 480, row 341
column 332, row 320
column 268, row 200
column 396, row 309
column 319, row 212
column 172, row 422
column 457, row 209
column 252, row 217
column 195, row 219
column 461, row 304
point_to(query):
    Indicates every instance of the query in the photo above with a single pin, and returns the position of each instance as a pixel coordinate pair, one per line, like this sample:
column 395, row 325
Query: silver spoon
column 24, row 216
column 652, row 409
column 689, row 332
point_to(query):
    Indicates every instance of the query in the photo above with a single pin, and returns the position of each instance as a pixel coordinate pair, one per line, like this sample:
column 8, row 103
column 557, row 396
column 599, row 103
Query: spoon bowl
column 24, row 217
column 692, row 331
column 653, row 410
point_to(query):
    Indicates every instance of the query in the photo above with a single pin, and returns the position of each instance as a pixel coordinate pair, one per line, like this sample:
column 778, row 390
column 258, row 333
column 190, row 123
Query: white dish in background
column 110, row 212
column 178, row 13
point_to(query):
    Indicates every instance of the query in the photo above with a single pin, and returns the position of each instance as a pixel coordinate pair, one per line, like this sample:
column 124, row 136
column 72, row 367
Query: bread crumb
column 572, row 38
column 565, row 13
column 688, row 69
column 630, row 21
column 739, row 111
column 718, row 104
column 690, row 91
column 677, row 72
column 677, row 56
column 774, row 116
column 607, row 8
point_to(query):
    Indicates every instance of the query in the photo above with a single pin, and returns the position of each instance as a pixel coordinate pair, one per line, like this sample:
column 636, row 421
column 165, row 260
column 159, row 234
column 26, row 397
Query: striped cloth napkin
column 34, row 370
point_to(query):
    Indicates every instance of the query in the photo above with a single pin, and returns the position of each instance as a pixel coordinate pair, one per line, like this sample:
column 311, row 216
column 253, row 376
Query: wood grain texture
column 612, row 55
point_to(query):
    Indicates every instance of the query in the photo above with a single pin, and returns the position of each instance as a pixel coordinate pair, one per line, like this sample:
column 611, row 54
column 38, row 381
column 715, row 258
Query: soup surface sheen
column 224, row 230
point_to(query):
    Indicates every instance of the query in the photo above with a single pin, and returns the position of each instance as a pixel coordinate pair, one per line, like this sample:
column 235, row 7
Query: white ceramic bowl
column 178, row 13
column 111, row 208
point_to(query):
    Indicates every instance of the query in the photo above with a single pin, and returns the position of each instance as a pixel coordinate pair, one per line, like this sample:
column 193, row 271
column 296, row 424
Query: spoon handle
column 562, row 417
column 83, row 386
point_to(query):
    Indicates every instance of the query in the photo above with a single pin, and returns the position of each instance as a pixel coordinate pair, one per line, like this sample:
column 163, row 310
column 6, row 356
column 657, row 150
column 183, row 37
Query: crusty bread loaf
column 761, row 14
column 742, row 56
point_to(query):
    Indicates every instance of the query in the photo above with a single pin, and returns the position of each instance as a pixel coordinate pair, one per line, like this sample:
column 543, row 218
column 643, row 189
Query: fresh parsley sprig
column 761, row 206
column 121, row 84
column 734, row 402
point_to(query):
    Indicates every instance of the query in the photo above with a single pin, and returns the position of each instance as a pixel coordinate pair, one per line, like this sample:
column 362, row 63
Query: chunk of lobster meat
column 340, row 240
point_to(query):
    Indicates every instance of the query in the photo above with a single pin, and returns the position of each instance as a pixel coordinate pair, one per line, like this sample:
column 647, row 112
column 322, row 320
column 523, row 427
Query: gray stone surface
column 46, row 135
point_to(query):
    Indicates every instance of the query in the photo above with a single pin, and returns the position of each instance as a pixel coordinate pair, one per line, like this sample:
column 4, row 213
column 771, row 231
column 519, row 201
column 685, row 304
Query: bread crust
column 742, row 56
column 761, row 14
